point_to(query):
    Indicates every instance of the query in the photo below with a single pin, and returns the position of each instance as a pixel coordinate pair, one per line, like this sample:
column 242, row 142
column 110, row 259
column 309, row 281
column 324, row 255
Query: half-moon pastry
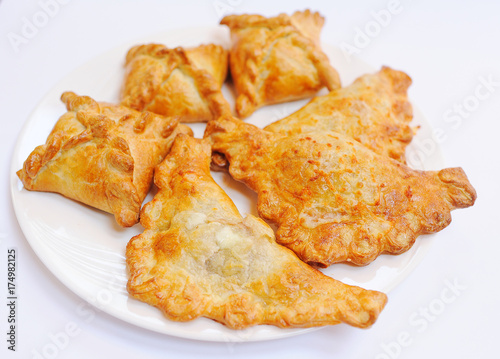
column 333, row 199
column 198, row 257
column 277, row 59
column 179, row 82
column 102, row 155
column 373, row 110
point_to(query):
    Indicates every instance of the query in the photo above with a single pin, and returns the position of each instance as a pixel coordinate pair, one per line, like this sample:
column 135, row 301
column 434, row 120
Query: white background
column 447, row 47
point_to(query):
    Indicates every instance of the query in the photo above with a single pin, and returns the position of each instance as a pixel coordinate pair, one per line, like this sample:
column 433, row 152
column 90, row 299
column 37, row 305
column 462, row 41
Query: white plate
column 84, row 247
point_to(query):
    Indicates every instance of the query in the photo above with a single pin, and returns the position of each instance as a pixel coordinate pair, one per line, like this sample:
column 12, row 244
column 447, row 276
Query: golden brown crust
column 277, row 59
column 333, row 199
column 102, row 155
column 309, row 24
column 184, row 83
column 199, row 257
column 373, row 110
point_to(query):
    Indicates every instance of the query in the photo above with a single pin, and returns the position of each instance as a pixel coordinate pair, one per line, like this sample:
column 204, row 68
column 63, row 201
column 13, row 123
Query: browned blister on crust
column 334, row 200
column 198, row 257
column 374, row 110
column 102, row 155
column 180, row 82
column 277, row 59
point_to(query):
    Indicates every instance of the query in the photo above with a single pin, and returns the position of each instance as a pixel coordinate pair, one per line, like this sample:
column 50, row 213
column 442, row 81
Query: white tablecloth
column 444, row 309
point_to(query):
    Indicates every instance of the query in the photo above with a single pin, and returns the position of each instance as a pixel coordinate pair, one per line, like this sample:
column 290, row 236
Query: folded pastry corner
column 277, row 59
column 102, row 155
column 179, row 82
column 333, row 199
column 198, row 257
column 374, row 110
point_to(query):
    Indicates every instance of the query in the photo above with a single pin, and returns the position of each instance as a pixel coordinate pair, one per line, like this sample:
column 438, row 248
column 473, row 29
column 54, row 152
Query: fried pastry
column 198, row 257
column 333, row 199
column 277, row 59
column 102, row 155
column 374, row 110
column 184, row 83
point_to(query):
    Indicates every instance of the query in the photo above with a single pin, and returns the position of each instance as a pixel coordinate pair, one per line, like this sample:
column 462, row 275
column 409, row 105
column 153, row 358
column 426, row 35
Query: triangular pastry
column 373, row 110
column 333, row 199
column 102, row 155
column 179, row 82
column 277, row 59
column 198, row 257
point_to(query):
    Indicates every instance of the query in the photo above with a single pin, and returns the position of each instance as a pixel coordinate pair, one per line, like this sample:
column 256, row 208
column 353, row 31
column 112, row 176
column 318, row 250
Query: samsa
column 332, row 198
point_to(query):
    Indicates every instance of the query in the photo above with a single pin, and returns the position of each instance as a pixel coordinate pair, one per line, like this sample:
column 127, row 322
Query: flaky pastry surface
column 198, row 257
column 180, row 82
column 334, row 200
column 373, row 110
column 102, row 155
column 277, row 59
